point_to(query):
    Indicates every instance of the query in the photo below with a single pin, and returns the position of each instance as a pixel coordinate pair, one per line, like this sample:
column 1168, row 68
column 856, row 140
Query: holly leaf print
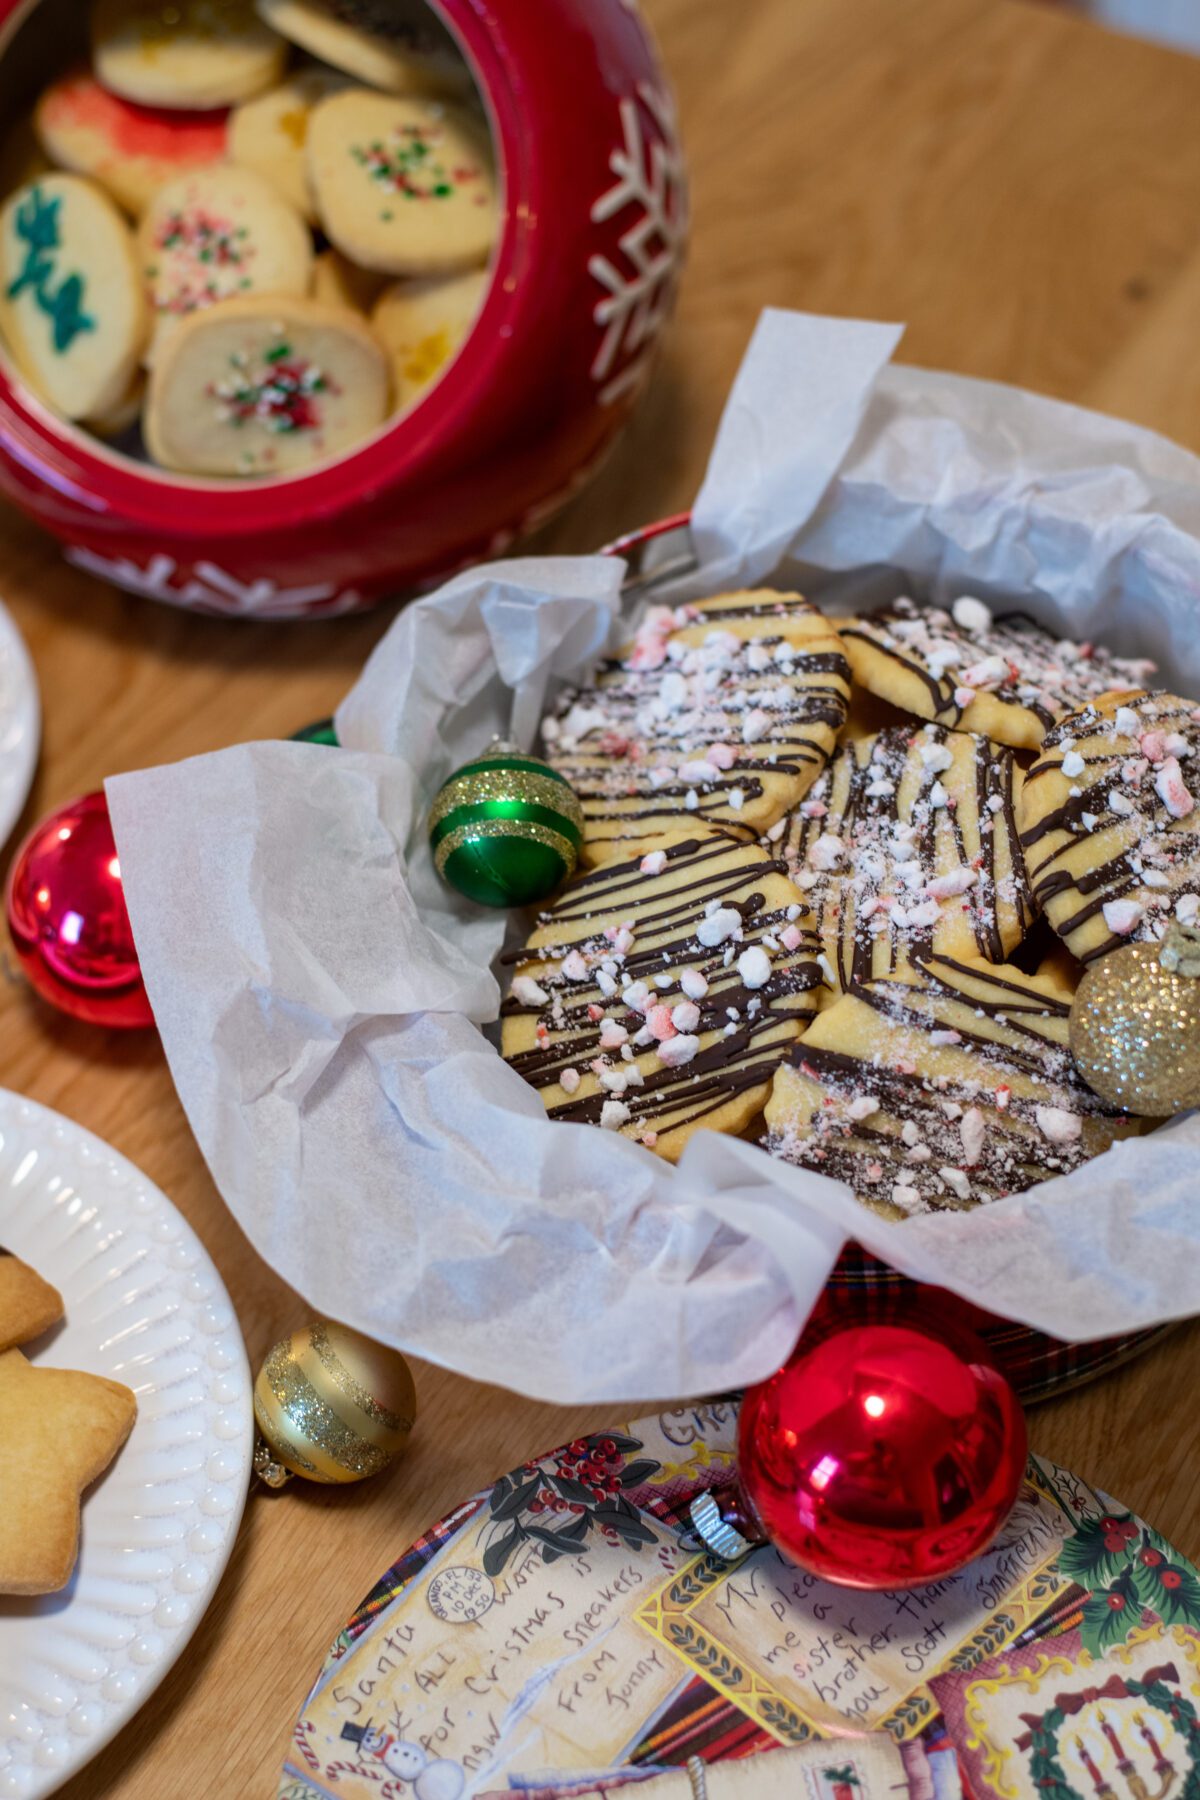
column 1110, row 1614
column 513, row 1504
column 1170, row 1590
column 634, row 1473
column 499, row 1551
column 1099, row 1551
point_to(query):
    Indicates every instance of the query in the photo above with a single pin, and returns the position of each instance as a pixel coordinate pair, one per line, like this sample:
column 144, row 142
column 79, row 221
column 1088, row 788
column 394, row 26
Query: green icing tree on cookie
column 37, row 227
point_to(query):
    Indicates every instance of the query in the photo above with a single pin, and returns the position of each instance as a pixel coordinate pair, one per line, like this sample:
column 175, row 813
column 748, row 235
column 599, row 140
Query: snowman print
column 431, row 1780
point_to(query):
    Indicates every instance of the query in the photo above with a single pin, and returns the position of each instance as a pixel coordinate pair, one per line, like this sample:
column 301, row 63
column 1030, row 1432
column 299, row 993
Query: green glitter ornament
column 506, row 829
column 321, row 733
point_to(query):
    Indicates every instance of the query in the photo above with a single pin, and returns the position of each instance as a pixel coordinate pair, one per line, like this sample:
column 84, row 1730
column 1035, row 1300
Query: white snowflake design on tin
column 209, row 588
column 651, row 176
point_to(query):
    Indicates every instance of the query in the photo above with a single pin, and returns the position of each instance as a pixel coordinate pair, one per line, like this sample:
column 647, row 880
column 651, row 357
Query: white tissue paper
column 320, row 994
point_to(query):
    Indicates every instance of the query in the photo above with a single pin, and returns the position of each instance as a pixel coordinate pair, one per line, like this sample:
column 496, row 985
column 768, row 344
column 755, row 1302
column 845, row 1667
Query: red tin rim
column 143, row 497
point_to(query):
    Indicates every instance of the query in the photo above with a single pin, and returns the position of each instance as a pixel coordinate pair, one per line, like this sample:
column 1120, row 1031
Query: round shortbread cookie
column 132, row 151
column 1002, row 676
column 341, row 283
column 1110, row 822
column 423, row 324
column 727, row 710
column 184, row 53
column 944, row 1086
column 72, row 306
column 908, row 841
column 406, row 186
column 265, row 386
column 659, row 993
column 270, row 134
column 124, row 414
column 214, row 236
column 391, row 44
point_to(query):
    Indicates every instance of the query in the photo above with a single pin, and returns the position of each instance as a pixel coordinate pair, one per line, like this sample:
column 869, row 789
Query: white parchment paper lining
column 319, row 994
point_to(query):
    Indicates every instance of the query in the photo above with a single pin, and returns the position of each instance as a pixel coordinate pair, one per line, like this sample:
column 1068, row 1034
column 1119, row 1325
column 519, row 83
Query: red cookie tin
column 591, row 241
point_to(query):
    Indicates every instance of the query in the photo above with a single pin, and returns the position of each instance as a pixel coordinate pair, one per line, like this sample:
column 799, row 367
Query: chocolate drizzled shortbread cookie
column 1004, row 677
column 945, row 1086
column 660, row 991
column 1110, row 822
column 726, row 710
column 909, row 841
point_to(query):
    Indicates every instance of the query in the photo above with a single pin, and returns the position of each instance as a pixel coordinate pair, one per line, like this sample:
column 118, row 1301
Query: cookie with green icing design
column 725, row 711
column 1001, row 675
column 1110, row 822
column 943, row 1086
column 188, row 54
column 908, row 841
column 405, row 186
column 72, row 307
column 218, row 235
column 265, row 386
column 396, row 45
column 659, row 993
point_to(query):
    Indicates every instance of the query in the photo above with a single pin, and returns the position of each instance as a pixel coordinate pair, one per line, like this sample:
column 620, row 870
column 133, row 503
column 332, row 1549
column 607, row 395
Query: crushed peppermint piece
column 1172, row 790
column 972, row 1129
column 685, row 1016
column 1122, row 916
column 719, row 926
column 971, row 614
column 614, row 1114
column 528, row 992
column 1055, row 1123
column 957, row 1181
column 677, row 1050
column 654, row 863
column 754, row 967
column 693, row 983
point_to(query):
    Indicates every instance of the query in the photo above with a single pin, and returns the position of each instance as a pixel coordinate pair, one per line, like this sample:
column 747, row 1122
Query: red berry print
column 1150, row 1559
column 1171, row 1579
column 1116, row 1602
column 1114, row 1541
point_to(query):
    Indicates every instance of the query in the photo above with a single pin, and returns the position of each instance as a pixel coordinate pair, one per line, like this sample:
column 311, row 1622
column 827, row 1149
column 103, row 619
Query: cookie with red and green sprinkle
column 404, row 186
column 265, row 386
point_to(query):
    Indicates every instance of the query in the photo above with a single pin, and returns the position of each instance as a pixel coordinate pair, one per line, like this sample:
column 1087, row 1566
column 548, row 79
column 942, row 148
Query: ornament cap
column 1180, row 953
column 716, row 1531
column 272, row 1474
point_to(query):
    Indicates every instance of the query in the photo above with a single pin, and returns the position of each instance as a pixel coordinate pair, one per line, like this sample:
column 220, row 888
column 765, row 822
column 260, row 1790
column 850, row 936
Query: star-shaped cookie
column 60, row 1430
column 28, row 1305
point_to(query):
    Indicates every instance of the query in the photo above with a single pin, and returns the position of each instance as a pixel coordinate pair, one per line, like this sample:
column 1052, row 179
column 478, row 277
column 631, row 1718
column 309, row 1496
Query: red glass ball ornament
column 68, row 919
column 880, row 1456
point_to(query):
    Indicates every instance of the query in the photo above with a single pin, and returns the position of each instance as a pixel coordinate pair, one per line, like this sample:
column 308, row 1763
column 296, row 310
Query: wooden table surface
column 1021, row 188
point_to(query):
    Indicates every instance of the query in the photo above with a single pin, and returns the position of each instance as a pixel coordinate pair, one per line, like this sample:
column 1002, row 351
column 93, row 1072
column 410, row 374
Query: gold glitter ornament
column 1135, row 1025
column 331, row 1406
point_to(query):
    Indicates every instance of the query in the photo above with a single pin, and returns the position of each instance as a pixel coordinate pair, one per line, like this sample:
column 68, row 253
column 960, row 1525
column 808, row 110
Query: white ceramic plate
column 20, row 723
column 144, row 1306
